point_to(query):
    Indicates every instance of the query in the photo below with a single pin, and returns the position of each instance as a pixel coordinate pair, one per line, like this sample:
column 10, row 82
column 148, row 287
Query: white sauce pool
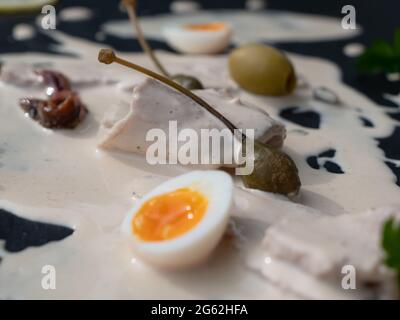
column 68, row 181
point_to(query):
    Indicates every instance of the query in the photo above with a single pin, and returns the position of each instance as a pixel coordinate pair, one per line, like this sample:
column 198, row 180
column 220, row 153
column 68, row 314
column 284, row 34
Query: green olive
column 262, row 70
column 274, row 171
column 188, row 82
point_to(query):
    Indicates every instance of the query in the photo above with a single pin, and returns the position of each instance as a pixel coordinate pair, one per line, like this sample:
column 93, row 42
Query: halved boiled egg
column 180, row 222
column 198, row 38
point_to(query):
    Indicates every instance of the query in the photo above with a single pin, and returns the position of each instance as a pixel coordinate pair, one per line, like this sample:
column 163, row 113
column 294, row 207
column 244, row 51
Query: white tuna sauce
column 75, row 14
column 67, row 181
column 23, row 32
column 353, row 49
column 186, row 6
column 271, row 25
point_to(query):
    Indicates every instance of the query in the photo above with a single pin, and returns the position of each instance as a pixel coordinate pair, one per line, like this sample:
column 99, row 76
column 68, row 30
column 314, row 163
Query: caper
column 262, row 70
column 274, row 171
column 188, row 82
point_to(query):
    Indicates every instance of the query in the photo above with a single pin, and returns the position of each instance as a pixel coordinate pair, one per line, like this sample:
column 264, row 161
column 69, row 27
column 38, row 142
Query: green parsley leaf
column 381, row 57
column 391, row 245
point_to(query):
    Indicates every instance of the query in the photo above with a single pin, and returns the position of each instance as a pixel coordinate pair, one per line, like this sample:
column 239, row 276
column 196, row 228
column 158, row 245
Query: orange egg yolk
column 214, row 26
column 169, row 215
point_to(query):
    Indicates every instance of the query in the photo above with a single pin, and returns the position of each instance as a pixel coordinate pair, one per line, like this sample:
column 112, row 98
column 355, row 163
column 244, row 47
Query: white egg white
column 195, row 41
column 194, row 246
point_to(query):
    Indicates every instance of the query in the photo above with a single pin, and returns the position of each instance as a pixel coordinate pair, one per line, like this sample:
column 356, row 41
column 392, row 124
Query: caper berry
column 274, row 171
column 262, row 70
column 188, row 82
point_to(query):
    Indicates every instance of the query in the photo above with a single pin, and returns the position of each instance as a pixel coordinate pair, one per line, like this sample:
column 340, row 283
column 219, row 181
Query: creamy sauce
column 270, row 25
column 72, row 14
column 353, row 49
column 255, row 5
column 185, row 6
column 68, row 181
column 23, row 32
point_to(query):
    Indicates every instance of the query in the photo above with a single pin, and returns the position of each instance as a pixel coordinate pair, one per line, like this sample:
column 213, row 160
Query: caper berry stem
column 130, row 6
column 108, row 56
column 274, row 170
